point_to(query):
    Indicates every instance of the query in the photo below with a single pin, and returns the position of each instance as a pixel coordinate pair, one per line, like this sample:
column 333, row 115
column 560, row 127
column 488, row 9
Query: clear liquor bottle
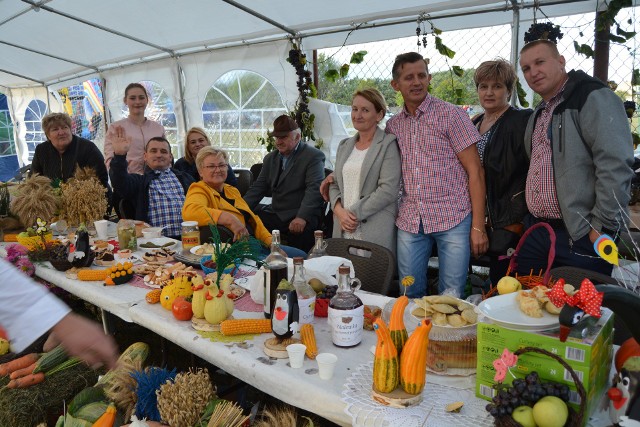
column 346, row 311
column 320, row 247
column 276, row 270
column 306, row 294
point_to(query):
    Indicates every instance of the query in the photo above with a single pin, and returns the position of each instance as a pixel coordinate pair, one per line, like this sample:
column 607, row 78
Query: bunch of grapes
column 304, row 83
column 525, row 391
column 543, row 31
column 328, row 292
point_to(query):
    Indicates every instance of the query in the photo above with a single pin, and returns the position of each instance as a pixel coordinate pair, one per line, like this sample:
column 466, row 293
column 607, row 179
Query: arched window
column 239, row 108
column 36, row 110
column 7, row 143
column 160, row 109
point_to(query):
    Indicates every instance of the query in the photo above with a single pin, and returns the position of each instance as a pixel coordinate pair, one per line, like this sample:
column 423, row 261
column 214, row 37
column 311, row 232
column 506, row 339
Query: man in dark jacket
column 291, row 176
column 158, row 194
column 62, row 152
column 581, row 153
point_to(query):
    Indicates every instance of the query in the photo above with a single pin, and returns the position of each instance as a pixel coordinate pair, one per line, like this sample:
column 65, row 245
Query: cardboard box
column 588, row 350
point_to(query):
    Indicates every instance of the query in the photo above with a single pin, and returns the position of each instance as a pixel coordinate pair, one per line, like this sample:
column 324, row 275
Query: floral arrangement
column 18, row 256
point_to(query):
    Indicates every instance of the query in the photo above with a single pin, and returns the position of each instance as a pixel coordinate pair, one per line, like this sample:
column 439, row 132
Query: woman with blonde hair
column 196, row 139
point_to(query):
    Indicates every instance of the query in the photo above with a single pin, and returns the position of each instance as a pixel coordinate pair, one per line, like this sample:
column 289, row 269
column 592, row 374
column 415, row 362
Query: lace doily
column 364, row 411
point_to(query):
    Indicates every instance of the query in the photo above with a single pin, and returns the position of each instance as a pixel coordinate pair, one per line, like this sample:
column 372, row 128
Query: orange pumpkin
column 628, row 349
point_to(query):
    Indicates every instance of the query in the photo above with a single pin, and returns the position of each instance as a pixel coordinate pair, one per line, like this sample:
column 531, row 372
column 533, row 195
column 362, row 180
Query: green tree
column 444, row 86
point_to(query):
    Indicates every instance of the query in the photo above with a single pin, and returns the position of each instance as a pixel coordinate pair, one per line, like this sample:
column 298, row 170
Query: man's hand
column 84, row 339
column 593, row 235
column 296, row 226
column 324, row 186
column 479, row 241
column 120, row 142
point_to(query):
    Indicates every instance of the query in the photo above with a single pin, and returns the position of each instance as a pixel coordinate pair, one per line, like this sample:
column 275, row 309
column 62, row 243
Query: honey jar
column 190, row 234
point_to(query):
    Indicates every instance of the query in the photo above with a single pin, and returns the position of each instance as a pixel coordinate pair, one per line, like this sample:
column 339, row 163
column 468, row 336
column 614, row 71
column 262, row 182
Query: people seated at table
column 504, row 160
column 158, row 194
column 291, row 176
column 367, row 172
column 194, row 141
column 137, row 128
column 62, row 152
column 213, row 200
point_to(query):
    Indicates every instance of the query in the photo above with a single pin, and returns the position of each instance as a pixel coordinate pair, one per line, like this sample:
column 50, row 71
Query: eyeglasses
column 220, row 167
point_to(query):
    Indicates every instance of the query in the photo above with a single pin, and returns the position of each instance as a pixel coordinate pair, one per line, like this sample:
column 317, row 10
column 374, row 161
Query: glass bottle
column 320, row 247
column 276, row 270
column 306, row 294
column 346, row 311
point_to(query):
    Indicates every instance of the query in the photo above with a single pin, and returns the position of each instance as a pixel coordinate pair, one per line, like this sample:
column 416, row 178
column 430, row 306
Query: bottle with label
column 306, row 294
column 320, row 247
column 346, row 311
column 275, row 270
column 190, row 235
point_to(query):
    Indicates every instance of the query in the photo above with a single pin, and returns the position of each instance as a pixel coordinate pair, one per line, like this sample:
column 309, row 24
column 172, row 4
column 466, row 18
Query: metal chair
column 374, row 265
column 245, row 179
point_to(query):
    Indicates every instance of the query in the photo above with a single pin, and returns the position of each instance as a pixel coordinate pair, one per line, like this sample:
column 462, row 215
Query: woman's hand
column 234, row 224
column 348, row 220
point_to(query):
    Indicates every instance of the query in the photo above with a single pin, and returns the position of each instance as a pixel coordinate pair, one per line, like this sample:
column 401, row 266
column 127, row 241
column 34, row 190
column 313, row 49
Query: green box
column 586, row 355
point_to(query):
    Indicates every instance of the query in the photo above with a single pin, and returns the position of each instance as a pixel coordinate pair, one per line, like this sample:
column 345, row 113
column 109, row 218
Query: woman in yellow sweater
column 211, row 198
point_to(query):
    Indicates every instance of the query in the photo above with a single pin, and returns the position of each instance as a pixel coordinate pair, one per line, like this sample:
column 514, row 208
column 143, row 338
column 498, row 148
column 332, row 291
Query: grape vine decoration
column 306, row 89
column 543, row 31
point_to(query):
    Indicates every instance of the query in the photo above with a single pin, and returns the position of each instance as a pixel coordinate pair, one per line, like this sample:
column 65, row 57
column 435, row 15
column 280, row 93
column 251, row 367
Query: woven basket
column 60, row 264
column 575, row 418
column 532, row 280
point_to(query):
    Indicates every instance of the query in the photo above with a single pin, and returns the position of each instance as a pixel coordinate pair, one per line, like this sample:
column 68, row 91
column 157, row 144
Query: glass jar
column 320, row 247
column 346, row 311
column 190, row 235
column 306, row 294
column 127, row 235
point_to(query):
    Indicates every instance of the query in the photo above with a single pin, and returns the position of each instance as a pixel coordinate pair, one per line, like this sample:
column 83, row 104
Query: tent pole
column 181, row 85
column 515, row 31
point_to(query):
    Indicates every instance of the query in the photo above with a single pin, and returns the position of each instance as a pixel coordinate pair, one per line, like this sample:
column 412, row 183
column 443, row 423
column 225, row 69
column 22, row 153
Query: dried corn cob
column 245, row 326
column 153, row 296
column 308, row 337
column 95, row 275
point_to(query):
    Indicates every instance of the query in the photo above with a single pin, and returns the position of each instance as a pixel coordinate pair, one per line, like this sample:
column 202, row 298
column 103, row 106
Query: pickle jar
column 127, row 235
column 190, row 234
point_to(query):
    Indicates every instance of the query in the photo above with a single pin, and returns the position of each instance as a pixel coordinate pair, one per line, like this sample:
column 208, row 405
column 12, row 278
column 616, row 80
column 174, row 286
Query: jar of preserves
column 190, row 235
column 127, row 235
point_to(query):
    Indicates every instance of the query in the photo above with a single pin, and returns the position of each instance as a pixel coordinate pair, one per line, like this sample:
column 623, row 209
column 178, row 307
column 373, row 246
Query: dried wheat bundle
column 120, row 385
column 35, row 198
column 284, row 416
column 182, row 401
column 227, row 414
column 83, row 198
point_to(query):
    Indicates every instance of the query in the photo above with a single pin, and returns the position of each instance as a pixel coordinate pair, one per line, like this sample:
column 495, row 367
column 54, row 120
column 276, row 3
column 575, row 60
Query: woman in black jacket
column 505, row 162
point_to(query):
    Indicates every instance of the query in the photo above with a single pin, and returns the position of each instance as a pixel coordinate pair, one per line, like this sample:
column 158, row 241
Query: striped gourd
column 308, row 338
column 397, row 329
column 413, row 360
column 385, row 361
column 92, row 275
column 245, row 326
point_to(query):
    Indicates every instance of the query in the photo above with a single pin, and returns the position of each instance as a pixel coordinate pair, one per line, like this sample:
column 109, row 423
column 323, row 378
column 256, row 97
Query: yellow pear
column 508, row 284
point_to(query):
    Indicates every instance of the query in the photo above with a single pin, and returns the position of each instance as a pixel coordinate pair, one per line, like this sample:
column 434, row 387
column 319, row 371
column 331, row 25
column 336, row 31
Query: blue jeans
column 454, row 252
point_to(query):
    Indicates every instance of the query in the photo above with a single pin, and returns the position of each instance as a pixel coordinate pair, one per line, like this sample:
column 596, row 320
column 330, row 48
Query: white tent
column 186, row 45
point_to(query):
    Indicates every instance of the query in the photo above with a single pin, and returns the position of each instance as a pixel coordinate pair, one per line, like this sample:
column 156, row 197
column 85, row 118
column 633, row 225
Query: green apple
column 508, row 284
column 524, row 415
column 550, row 411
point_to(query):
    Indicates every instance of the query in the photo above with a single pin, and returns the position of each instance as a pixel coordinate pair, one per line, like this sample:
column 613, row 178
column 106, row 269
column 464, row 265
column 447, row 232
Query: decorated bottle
column 306, row 294
column 276, row 270
column 320, row 247
column 346, row 311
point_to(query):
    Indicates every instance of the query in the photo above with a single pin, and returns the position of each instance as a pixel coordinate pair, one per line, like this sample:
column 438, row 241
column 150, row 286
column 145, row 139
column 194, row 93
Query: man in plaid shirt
column 159, row 193
column 443, row 191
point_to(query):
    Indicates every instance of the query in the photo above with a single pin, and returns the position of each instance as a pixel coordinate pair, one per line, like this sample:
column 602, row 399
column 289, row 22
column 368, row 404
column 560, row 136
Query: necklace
column 494, row 117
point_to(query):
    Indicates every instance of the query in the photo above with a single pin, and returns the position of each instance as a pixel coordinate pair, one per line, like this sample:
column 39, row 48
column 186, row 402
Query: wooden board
column 398, row 398
column 273, row 348
column 204, row 326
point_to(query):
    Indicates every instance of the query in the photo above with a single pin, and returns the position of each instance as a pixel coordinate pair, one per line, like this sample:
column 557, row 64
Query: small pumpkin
column 628, row 349
column 398, row 332
column 385, row 361
column 413, row 360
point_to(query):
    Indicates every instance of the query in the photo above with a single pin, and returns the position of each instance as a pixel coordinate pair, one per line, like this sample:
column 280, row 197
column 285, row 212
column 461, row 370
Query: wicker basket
column 575, row 418
column 60, row 264
column 532, row 280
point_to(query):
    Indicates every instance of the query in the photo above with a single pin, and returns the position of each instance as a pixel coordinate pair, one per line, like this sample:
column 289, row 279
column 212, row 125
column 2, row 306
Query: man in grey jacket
column 581, row 152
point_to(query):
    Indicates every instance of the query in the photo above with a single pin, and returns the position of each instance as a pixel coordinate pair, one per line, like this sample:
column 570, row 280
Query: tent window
column 239, row 108
column 160, row 109
column 7, row 143
column 36, row 110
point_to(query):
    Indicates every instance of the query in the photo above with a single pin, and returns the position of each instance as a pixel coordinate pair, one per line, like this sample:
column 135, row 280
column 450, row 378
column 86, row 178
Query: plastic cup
column 326, row 365
column 296, row 354
column 101, row 228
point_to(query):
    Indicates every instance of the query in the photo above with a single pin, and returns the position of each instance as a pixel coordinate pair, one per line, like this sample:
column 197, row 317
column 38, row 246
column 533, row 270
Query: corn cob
column 308, row 337
column 92, row 275
column 245, row 326
column 153, row 296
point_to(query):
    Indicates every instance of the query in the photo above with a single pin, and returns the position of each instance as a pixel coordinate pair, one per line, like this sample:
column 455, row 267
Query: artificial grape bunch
column 525, row 391
column 328, row 292
column 299, row 62
column 543, row 31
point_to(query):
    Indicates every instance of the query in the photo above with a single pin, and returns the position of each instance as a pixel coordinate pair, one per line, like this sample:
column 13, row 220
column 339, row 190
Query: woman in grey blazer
column 364, row 193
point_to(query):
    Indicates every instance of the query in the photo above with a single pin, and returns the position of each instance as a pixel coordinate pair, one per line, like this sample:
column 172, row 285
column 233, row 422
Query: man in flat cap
column 291, row 176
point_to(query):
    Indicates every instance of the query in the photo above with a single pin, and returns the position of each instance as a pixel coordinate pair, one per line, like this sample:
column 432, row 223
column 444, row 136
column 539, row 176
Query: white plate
column 504, row 310
column 194, row 249
column 159, row 241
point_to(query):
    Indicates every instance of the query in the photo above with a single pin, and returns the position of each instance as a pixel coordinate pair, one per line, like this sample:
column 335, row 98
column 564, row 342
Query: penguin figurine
column 618, row 397
column 284, row 318
column 624, row 395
